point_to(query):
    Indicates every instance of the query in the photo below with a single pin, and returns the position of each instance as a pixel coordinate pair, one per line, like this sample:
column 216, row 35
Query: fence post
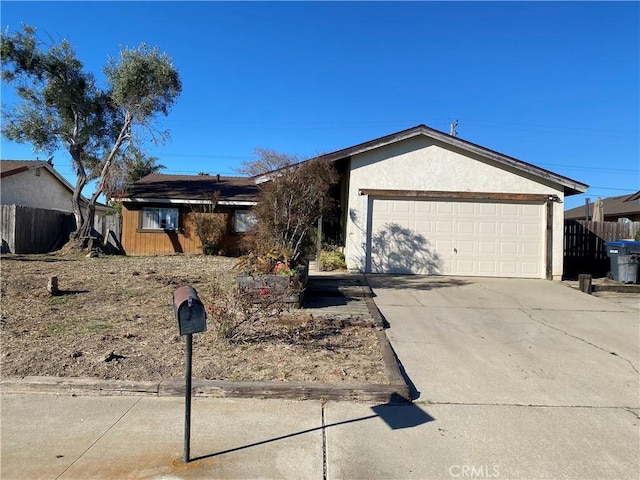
column 585, row 283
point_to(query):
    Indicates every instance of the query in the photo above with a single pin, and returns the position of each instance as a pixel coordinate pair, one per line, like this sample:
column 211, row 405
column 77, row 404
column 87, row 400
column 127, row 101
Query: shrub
column 332, row 258
column 210, row 226
column 294, row 196
column 235, row 314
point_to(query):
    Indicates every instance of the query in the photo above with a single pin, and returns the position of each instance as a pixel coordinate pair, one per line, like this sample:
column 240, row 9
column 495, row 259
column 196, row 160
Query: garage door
column 468, row 238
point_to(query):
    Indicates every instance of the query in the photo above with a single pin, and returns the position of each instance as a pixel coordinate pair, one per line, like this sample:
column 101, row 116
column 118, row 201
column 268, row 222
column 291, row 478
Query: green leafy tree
column 61, row 105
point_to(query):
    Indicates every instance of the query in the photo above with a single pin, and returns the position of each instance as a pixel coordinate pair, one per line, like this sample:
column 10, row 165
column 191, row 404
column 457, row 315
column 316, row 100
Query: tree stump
column 52, row 286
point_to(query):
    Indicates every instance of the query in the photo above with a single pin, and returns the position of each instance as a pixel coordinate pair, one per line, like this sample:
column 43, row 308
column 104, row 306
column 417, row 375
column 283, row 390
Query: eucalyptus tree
column 61, row 105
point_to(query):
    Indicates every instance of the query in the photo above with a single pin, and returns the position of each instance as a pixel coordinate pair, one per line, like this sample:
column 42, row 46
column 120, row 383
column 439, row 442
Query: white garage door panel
column 456, row 238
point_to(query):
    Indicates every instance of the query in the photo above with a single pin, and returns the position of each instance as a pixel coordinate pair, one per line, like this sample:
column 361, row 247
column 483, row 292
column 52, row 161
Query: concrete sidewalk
column 53, row 436
column 98, row 437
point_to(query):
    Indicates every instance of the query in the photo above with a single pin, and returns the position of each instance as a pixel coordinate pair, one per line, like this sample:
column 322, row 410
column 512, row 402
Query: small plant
column 637, row 236
column 332, row 258
column 275, row 260
column 235, row 314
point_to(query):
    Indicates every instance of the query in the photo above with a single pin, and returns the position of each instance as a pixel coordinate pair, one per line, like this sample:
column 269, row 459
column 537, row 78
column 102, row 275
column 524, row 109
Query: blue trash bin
column 624, row 256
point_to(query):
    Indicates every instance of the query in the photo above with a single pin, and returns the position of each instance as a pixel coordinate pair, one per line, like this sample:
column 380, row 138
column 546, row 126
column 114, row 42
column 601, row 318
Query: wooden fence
column 584, row 249
column 33, row 230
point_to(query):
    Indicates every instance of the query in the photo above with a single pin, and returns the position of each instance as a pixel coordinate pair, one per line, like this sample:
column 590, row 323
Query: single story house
column 36, row 206
column 421, row 201
column 418, row 201
column 620, row 208
column 158, row 212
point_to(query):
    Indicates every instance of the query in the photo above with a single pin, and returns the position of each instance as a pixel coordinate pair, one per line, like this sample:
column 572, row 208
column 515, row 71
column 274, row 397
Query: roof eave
column 186, row 201
column 570, row 187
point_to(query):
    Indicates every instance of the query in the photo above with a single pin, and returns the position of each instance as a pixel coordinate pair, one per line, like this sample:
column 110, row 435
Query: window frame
column 141, row 220
column 243, row 212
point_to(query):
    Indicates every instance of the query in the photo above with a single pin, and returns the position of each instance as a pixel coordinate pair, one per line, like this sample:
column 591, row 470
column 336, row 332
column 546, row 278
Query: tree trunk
column 77, row 191
column 86, row 230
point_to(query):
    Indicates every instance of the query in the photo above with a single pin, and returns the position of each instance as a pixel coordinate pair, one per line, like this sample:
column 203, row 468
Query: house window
column 159, row 218
column 243, row 220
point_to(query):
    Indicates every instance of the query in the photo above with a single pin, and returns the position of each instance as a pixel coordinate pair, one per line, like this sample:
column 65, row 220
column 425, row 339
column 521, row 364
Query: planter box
column 291, row 287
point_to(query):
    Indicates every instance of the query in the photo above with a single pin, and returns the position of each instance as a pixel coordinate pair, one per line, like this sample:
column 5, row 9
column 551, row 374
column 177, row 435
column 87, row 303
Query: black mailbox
column 189, row 311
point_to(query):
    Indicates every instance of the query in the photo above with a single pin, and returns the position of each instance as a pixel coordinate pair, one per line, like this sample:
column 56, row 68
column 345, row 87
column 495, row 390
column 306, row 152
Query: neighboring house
column 423, row 202
column 620, row 208
column 34, row 183
column 36, row 206
column 158, row 212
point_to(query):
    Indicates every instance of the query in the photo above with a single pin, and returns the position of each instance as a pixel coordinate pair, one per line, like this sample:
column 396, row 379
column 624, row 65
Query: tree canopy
column 61, row 105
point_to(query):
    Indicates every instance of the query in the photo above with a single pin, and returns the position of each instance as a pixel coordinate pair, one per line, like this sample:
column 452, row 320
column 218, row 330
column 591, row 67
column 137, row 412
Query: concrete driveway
column 543, row 377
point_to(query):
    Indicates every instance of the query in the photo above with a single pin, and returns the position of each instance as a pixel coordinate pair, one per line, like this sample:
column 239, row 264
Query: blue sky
column 554, row 84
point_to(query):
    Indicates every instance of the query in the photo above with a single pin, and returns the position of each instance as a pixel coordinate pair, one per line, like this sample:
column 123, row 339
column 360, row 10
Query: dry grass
column 114, row 320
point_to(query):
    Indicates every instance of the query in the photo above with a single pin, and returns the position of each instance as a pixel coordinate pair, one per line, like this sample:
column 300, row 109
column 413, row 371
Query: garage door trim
column 433, row 194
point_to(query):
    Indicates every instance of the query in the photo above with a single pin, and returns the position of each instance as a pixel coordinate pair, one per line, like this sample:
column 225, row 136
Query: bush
column 210, row 228
column 235, row 315
column 332, row 258
column 294, row 195
column 260, row 261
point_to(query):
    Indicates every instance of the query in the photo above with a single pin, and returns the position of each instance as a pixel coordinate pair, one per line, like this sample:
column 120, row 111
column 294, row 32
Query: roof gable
column 14, row 167
column 192, row 188
column 571, row 187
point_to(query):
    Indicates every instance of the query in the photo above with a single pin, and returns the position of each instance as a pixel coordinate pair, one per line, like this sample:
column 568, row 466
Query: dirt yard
column 114, row 319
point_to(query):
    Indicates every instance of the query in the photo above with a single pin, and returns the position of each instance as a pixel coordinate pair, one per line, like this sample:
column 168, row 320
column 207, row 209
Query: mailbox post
column 192, row 318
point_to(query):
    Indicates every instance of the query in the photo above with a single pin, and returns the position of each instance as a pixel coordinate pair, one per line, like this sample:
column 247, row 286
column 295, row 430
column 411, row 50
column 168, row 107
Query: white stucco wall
column 421, row 163
column 29, row 189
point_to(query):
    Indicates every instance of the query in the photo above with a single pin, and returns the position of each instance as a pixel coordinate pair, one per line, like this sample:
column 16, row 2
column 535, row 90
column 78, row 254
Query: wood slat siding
column 584, row 249
column 33, row 230
column 137, row 242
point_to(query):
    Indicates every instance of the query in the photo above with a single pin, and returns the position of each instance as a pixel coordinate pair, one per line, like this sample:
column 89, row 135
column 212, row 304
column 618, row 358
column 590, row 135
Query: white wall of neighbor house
column 36, row 188
column 421, row 163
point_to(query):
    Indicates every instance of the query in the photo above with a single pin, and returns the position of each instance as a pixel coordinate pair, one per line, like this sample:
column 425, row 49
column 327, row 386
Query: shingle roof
column 193, row 187
column 613, row 207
